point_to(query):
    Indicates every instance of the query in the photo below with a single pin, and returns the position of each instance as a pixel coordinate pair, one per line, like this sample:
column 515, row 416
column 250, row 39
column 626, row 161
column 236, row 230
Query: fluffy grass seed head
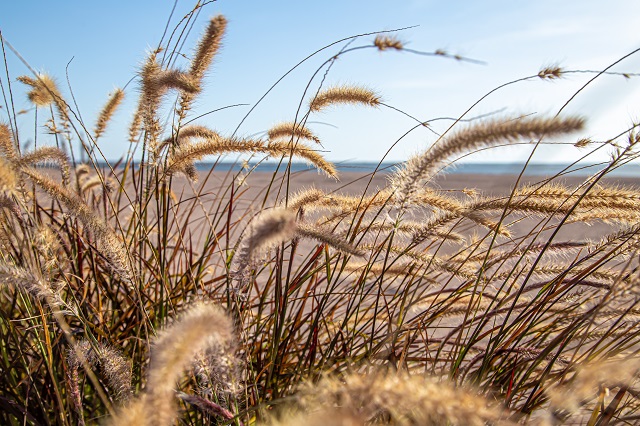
column 208, row 46
column 289, row 129
column 551, row 72
column 114, row 366
column 113, row 248
column 44, row 89
column 107, row 112
column 31, row 283
column 386, row 42
column 6, row 142
column 344, row 95
column 8, row 178
column 200, row 327
column 419, row 169
column 405, row 399
column 267, row 229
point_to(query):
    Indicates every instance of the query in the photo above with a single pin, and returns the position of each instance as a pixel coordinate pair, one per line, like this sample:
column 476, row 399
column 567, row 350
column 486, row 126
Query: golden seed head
column 107, row 112
column 384, row 42
column 550, row 73
column 44, row 89
column 208, row 46
column 344, row 95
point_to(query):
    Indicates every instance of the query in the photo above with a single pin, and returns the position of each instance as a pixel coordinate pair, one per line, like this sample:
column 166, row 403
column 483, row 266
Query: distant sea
column 628, row 170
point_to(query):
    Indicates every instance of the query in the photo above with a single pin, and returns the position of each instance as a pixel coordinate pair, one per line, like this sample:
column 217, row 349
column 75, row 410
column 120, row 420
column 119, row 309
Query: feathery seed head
column 199, row 328
column 44, row 89
column 8, row 179
column 550, row 73
column 208, row 46
column 327, row 237
column 289, row 129
column 31, row 283
column 384, row 42
column 114, row 366
column 6, row 142
column 266, row 230
column 582, row 143
column 419, row 169
column 344, row 95
column 107, row 112
column 405, row 399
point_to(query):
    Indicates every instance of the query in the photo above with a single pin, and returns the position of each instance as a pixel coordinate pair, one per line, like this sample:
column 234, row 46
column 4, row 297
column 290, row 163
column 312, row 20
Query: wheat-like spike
column 90, row 183
column 114, row 249
column 290, row 129
column 571, row 394
column 134, row 127
column 82, row 170
column 346, row 204
column 401, row 269
column 45, row 154
column 384, row 42
column 8, row 179
column 424, row 197
column 419, row 169
column 611, row 196
column 551, row 72
column 199, row 328
column 43, row 89
column 155, row 84
column 344, row 95
column 430, row 197
column 267, row 229
column 114, row 366
column 610, row 275
column 325, row 236
column 303, row 151
column 438, row 220
column 188, row 152
column 606, row 215
column 174, row 79
column 45, row 92
column 212, row 143
column 304, row 198
column 615, row 197
column 207, row 49
column 107, row 112
column 6, row 143
column 31, row 283
column 527, row 205
column 497, row 255
column 208, row 46
column 405, row 399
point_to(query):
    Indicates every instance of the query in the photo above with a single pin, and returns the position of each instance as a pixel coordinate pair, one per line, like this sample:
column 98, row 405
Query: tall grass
column 405, row 304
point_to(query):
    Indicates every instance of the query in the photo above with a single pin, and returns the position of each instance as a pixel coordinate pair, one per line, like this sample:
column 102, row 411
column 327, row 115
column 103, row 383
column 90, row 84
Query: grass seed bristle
column 344, row 95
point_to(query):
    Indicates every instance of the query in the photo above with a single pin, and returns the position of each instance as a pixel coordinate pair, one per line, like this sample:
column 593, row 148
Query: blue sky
column 106, row 42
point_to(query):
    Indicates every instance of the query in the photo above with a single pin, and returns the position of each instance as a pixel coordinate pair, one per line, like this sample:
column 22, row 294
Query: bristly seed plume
column 385, row 42
column 107, row 112
column 290, row 129
column 420, row 168
column 200, row 327
column 344, row 95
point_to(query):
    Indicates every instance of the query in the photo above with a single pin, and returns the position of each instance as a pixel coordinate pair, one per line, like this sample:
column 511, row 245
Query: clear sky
column 103, row 43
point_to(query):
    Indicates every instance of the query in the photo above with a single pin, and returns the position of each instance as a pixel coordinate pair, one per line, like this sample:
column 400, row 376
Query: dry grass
column 403, row 305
